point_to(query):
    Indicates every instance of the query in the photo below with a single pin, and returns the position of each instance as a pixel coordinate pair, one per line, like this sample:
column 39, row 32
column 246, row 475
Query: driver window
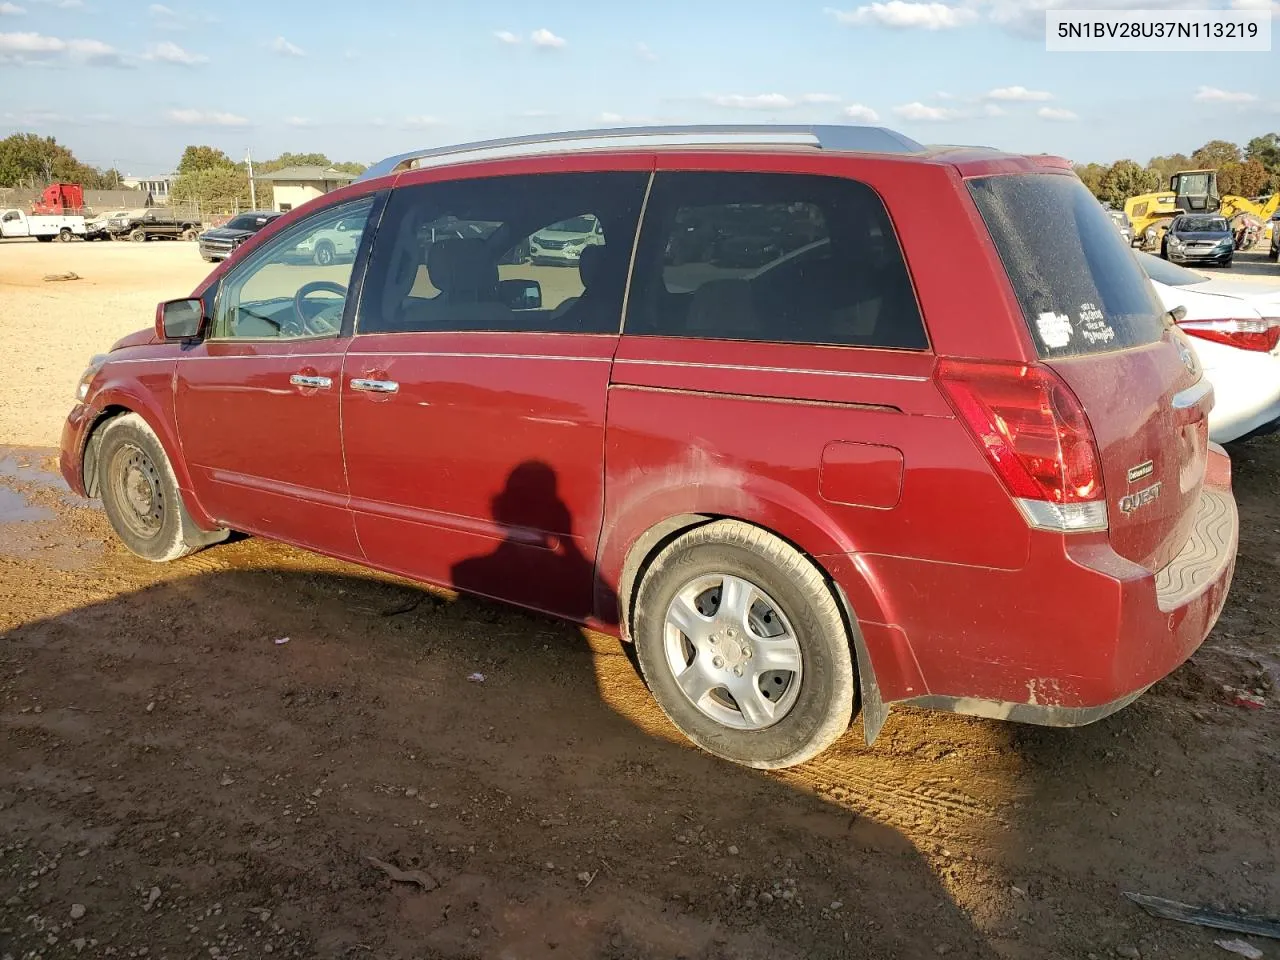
column 296, row 285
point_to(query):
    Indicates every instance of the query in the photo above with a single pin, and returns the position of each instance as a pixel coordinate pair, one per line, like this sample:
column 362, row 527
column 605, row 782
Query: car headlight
column 1226, row 242
column 86, row 378
column 1174, row 241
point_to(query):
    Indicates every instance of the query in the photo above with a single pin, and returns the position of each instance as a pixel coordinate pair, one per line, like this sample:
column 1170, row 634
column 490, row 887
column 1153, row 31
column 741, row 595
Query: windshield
column 1170, row 274
column 1202, row 225
column 247, row 223
column 574, row 225
column 1193, row 183
column 1080, row 288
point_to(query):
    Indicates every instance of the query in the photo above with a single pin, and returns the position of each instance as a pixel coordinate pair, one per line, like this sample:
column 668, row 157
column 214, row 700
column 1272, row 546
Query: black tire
column 65, row 235
column 325, row 253
column 141, row 497
column 823, row 706
column 138, row 235
column 45, row 239
column 1164, row 250
column 1273, row 254
column 190, row 233
column 1226, row 264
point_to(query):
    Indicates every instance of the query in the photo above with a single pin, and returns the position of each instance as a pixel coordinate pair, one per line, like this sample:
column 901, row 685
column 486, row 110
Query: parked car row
column 796, row 485
column 1236, row 327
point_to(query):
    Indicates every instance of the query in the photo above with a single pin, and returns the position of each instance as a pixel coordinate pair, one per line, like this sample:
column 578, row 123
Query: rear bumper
column 1075, row 635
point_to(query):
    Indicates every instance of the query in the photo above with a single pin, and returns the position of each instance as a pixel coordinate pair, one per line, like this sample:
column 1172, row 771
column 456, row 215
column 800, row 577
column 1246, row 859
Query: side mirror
column 520, row 294
column 180, row 319
column 1178, row 313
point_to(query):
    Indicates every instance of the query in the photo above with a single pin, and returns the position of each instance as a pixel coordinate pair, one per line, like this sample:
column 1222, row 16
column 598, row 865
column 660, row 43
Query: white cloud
column 924, row 112
column 11, row 10
column 282, row 46
column 24, row 47
column 994, row 110
column 759, row 101
column 95, row 53
column 1056, row 113
column 622, row 120
column 644, row 53
column 160, row 10
column 206, row 118
column 819, row 98
column 168, row 52
column 297, row 122
column 420, row 122
column 506, row 36
column 903, row 14
column 856, row 111
column 542, row 37
column 1019, row 94
column 1215, row 95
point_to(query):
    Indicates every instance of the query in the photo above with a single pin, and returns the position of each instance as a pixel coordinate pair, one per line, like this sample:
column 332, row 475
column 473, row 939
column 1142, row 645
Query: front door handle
column 314, row 383
column 375, row 386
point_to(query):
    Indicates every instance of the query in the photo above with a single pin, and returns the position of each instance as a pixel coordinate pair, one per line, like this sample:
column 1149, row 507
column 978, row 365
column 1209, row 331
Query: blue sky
column 130, row 83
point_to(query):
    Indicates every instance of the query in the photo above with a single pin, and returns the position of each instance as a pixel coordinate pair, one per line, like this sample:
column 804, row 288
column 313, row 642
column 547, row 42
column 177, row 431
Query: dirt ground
column 178, row 781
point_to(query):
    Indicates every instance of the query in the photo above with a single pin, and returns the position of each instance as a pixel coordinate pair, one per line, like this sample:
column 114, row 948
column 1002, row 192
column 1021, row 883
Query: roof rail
column 822, row 136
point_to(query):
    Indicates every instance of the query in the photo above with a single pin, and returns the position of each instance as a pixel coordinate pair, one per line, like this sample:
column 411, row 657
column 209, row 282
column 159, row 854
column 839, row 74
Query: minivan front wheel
column 140, row 494
column 744, row 647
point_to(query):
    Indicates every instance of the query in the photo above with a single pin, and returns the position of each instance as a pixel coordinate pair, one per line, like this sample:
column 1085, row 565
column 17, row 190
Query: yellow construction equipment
column 1195, row 191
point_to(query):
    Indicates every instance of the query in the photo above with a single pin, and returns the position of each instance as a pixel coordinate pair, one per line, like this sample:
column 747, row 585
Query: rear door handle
column 375, row 386
column 315, row 383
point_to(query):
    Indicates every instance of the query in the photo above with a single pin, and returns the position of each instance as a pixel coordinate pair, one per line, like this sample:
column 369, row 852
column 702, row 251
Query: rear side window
column 773, row 257
column 1080, row 286
column 532, row 253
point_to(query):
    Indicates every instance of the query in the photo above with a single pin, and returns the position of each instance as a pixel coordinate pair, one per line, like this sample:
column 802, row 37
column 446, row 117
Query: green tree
column 350, row 166
column 1125, row 179
column 1090, row 175
column 197, row 158
column 1266, row 150
column 218, row 189
column 1248, row 179
column 1166, row 166
column 1215, row 154
column 29, row 158
column 293, row 160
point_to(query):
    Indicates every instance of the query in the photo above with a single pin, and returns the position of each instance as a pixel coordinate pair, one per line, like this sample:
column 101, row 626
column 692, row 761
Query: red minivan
column 813, row 416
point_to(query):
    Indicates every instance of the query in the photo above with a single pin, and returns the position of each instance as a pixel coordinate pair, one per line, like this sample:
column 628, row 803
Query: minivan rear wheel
column 743, row 646
column 140, row 494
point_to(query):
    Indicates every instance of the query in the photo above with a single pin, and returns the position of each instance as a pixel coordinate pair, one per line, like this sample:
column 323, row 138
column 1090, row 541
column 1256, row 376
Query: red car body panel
column 536, row 468
column 500, row 490
column 265, row 456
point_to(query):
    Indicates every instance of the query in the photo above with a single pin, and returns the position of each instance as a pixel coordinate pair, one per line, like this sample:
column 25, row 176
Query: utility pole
column 253, row 192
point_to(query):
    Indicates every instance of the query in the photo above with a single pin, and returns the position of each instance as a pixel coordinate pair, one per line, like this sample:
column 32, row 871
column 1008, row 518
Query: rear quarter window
column 1080, row 287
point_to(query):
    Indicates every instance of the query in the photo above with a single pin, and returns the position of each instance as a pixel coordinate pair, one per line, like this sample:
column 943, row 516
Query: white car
column 342, row 240
column 561, row 244
column 1236, row 326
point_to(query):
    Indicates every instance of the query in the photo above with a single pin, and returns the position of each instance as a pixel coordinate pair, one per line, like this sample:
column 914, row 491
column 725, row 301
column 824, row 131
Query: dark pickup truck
column 219, row 242
column 153, row 223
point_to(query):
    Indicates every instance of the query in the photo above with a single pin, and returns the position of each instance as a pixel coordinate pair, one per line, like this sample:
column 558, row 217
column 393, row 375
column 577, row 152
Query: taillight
column 1261, row 336
column 1034, row 432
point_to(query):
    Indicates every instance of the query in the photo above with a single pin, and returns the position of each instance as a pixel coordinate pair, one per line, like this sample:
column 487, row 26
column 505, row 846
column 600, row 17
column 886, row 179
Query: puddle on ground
column 27, row 465
column 31, row 531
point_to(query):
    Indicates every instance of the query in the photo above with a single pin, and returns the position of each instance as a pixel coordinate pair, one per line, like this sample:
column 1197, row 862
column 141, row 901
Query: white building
column 294, row 186
column 158, row 187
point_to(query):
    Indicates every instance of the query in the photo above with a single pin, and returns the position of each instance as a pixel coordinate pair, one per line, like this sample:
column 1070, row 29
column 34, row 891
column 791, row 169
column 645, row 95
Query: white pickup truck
column 15, row 223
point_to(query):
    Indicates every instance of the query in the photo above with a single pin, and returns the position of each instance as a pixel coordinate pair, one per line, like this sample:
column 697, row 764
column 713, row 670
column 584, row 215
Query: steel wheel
column 733, row 652
column 137, row 486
